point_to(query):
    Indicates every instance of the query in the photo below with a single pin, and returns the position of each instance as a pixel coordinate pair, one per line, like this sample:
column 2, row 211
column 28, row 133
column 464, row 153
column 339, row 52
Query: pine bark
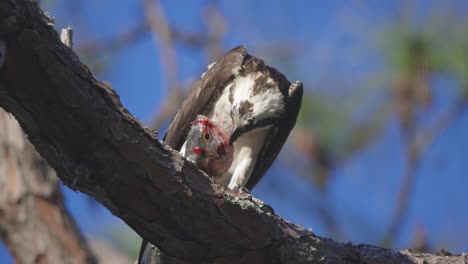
column 34, row 224
column 97, row 147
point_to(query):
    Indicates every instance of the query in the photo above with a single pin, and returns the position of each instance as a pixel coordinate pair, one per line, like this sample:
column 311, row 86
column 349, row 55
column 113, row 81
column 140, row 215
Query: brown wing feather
column 278, row 134
column 205, row 92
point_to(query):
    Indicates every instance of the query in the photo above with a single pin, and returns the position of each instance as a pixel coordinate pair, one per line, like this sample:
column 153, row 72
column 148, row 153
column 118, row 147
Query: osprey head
column 256, row 102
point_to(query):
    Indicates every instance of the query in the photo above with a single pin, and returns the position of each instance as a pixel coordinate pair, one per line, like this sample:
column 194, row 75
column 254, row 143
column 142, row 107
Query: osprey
column 254, row 103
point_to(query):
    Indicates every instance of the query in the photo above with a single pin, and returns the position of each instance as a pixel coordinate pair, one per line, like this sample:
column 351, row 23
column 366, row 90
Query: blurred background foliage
column 378, row 154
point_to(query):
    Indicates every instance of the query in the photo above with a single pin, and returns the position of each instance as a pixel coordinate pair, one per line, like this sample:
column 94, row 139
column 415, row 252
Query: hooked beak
column 234, row 137
column 234, row 134
column 241, row 128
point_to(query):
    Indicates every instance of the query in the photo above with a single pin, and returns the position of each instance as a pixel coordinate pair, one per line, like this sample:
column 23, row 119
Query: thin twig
column 163, row 40
column 217, row 29
column 138, row 32
column 417, row 147
column 163, row 36
column 161, row 28
column 115, row 43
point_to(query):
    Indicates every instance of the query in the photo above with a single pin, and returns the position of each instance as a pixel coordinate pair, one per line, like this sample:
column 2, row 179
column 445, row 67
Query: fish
column 207, row 146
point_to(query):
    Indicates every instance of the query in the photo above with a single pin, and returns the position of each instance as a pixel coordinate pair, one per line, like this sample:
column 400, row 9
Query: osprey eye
column 206, row 136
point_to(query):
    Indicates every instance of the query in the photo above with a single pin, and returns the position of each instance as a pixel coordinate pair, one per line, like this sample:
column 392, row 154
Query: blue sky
column 331, row 43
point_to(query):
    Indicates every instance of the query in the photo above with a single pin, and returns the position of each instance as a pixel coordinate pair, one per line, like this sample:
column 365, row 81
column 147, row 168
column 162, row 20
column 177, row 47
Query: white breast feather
column 221, row 112
column 244, row 87
column 246, row 150
column 268, row 103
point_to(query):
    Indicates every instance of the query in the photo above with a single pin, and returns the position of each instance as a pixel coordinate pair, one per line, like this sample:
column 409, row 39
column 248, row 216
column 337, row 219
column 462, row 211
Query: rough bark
column 34, row 223
column 98, row 148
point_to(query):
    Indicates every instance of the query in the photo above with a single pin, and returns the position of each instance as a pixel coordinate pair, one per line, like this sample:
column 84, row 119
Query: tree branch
column 34, row 223
column 97, row 147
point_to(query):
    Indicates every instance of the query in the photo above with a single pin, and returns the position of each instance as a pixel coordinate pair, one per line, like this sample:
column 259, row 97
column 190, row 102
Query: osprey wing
column 204, row 94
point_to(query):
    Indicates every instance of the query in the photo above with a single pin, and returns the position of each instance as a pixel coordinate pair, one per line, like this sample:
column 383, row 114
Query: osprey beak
column 234, row 134
column 244, row 127
column 241, row 128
